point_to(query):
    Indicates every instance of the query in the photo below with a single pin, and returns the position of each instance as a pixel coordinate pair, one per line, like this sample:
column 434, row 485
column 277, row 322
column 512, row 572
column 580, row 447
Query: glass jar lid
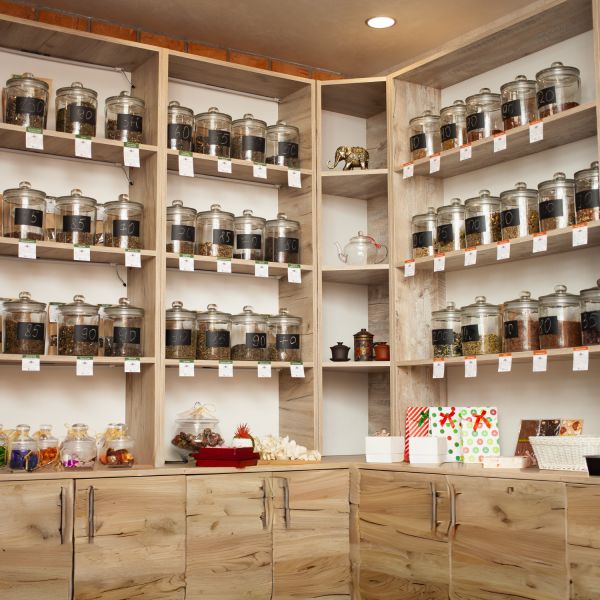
column 78, row 431
column 199, row 413
column 178, row 313
column 215, row 211
column 213, row 111
column 485, row 97
column 591, row 293
column 249, row 317
column 557, row 69
column 127, row 100
column 123, row 309
column 521, row 191
column 559, row 180
column 23, row 192
column 520, row 84
column 481, row 308
column 213, row 315
column 78, row 307
column 484, row 199
column 177, row 209
column 591, row 173
column 284, row 318
column 248, row 120
column 457, row 109
column 176, row 109
column 76, row 198
column 28, row 79
column 24, row 304
column 429, row 218
column 427, row 118
column 76, row 89
column 523, row 302
column 117, row 432
column 248, row 218
column 123, row 202
column 283, row 221
column 455, row 207
column 450, row 313
column 283, row 127
column 560, row 297
column 44, row 437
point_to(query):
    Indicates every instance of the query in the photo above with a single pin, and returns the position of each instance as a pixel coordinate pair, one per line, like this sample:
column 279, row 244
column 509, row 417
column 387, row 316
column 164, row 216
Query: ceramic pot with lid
column 363, row 346
column 339, row 352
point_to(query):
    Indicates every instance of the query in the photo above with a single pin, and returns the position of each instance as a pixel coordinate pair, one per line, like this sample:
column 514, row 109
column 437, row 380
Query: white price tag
column 133, row 258
column 294, row 179
column 34, row 139
column 580, row 235
column 85, row 366
column 504, row 362
column 132, row 365
column 500, row 142
column 30, row 362
column 581, row 358
column 439, row 262
column 408, row 170
column 470, row 366
column 259, row 171
column 297, row 369
column 439, row 367
column 131, row 154
column 27, row 249
column 264, row 369
column 540, row 242
column 186, row 164
column 434, row 163
column 224, row 165
column 540, row 361
column 536, row 131
column 294, row 273
column 81, row 253
column 225, row 368
column 261, row 268
column 503, row 250
column 470, row 256
column 409, row 267
column 83, row 147
column 466, row 152
column 186, row 262
column 186, row 368
column 224, row 265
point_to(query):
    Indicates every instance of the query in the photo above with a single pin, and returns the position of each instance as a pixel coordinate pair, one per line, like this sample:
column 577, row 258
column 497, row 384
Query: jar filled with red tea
column 559, row 319
column 519, row 102
column 521, row 324
column 424, row 135
column 453, row 125
column 484, row 115
column 558, row 89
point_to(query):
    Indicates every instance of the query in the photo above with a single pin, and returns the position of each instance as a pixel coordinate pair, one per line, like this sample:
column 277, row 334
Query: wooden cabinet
column 36, row 539
column 130, row 538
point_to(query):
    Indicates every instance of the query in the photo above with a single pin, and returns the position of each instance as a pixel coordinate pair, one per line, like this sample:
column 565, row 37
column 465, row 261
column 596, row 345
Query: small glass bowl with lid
column 180, row 127
column 249, row 139
column 556, row 202
column 76, row 219
column 125, row 118
column 48, row 446
column 519, row 102
column 285, row 332
column 26, row 101
column 78, row 328
column 451, row 226
column 78, row 450
column 24, row 325
column 482, row 219
column 446, row 331
column 521, row 324
column 123, row 223
column 214, row 334
column 560, row 319
column 481, row 328
column 519, row 212
column 424, row 135
column 249, row 236
column 249, row 336
column 453, row 125
column 24, row 212
column 283, row 145
column 116, row 447
column 587, row 195
column 558, row 89
column 125, row 326
column 212, row 133
column 590, row 315
column 424, row 232
column 195, row 429
column 24, row 454
column 181, row 228
column 76, row 110
column 180, row 332
column 215, row 232
column 282, row 243
column 484, row 115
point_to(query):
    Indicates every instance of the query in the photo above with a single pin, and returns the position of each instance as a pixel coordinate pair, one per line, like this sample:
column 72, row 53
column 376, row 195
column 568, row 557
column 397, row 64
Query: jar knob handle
column 282, row 216
column 525, row 295
column 124, row 302
column 177, row 203
column 247, row 212
column 215, row 207
column 173, row 103
column 248, row 309
column 124, row 197
column 594, row 165
column 27, row 75
column 77, row 84
column 25, row 185
column 451, row 306
column 76, row 192
column 25, row 296
column 281, row 122
column 521, row 185
column 556, row 63
column 484, row 193
column 211, row 307
column 177, row 304
column 213, row 109
column 248, row 116
column 559, row 175
column 521, row 78
column 283, row 311
column 79, row 298
column 455, row 201
column 560, row 288
column 484, row 90
column 124, row 93
column 480, row 299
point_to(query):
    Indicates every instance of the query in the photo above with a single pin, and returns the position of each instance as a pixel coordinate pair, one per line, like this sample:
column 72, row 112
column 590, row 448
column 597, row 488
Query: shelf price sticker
column 439, row 262
column 294, row 178
column 133, row 258
column 409, row 267
column 408, row 170
column 83, row 146
column 81, row 253
column 132, row 364
column 224, row 265
column 186, row 368
column 34, row 139
column 499, row 142
column 259, row 170
column 186, row 163
column 225, row 368
column 470, row 256
column 580, row 234
column 297, row 369
column 540, row 242
column 27, row 249
column 224, row 165
column 434, row 163
column 536, row 131
column 264, row 369
column 261, row 268
column 131, row 154
column 470, row 366
column 503, row 250
column 30, row 362
column 581, row 358
column 504, row 362
column 186, row 262
column 294, row 273
column 466, row 151
column 540, row 361
column 439, row 367
column 84, row 366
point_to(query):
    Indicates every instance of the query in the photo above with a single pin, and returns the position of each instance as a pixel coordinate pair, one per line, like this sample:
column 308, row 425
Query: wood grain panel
column 379, row 402
column 377, row 144
column 297, row 416
column 297, row 109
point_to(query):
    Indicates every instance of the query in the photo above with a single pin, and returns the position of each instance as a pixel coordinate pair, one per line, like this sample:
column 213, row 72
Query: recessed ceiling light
column 381, row 22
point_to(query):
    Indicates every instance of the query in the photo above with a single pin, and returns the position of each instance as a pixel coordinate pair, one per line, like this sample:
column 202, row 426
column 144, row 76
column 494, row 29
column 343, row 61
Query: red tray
column 226, row 457
column 237, row 464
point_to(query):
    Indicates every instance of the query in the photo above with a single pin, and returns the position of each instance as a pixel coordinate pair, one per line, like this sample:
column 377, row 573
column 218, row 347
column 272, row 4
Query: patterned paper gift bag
column 444, row 421
column 417, row 425
column 479, row 433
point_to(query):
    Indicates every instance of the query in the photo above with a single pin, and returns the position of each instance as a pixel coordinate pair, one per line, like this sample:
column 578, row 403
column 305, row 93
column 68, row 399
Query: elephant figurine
column 353, row 156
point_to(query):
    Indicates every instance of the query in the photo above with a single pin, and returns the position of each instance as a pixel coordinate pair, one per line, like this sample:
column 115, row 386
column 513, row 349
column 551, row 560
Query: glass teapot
column 362, row 249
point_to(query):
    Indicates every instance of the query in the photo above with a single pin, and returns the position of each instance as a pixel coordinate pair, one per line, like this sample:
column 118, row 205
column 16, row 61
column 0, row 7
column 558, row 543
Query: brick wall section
column 83, row 23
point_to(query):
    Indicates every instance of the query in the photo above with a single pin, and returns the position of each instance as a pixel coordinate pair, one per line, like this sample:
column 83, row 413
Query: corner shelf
column 357, row 183
column 46, row 359
column 245, row 365
column 359, row 275
column 373, row 366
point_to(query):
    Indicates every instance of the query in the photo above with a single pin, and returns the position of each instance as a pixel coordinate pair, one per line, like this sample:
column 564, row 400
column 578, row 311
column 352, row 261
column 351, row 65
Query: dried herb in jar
column 181, row 343
column 243, row 352
column 446, row 343
column 557, row 333
column 77, row 118
column 213, row 344
column 218, row 250
column 22, row 337
column 28, row 112
column 78, row 340
column 490, row 343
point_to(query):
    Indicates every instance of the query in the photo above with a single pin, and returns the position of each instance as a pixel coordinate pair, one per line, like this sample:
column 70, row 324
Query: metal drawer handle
column 434, row 515
column 63, row 518
column 91, row 525
column 287, row 518
column 263, row 516
column 452, row 526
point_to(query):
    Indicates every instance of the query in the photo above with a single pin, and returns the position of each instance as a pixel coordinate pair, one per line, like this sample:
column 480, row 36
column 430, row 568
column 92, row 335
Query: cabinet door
column 229, row 537
column 509, row 541
column 130, row 538
column 36, row 539
column 403, row 523
column 311, row 535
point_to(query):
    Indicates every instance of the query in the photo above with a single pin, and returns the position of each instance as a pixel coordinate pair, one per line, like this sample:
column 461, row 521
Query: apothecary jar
column 249, row 139
column 25, row 101
column 76, row 110
column 284, row 337
column 76, row 219
column 214, row 334
column 181, row 228
column 212, row 133
column 125, row 327
column 78, row 450
column 446, row 331
column 123, row 223
column 560, row 319
column 125, row 118
column 481, row 330
column 180, row 332
column 24, row 212
column 78, row 328
column 24, row 325
column 180, row 127
column 215, row 232
column 249, row 336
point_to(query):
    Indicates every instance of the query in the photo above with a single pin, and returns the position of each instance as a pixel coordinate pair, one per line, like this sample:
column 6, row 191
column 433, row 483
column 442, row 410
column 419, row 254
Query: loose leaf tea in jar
column 215, row 232
column 560, row 319
column 24, row 212
column 587, row 195
column 180, row 127
column 124, row 118
column 249, row 237
column 424, row 231
column 123, row 223
column 249, row 336
column 424, row 135
column 521, row 324
column 519, row 102
column 519, row 212
column 556, row 202
column 283, row 143
column 76, row 109
column 451, row 226
column 116, row 447
column 285, row 333
column 26, row 101
column 283, row 240
column 24, row 326
column 249, row 139
column 180, row 332
column 48, row 446
column 78, row 324
column 558, row 89
column 126, row 325
column 212, row 133
column 76, row 219
column 446, row 331
column 181, row 228
column 24, row 453
column 78, row 450
column 481, row 328
column 484, row 115
column 590, row 315
column 482, row 219
column 214, row 334
column 453, row 125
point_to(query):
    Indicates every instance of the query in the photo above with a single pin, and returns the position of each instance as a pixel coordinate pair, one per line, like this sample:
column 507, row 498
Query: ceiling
column 329, row 34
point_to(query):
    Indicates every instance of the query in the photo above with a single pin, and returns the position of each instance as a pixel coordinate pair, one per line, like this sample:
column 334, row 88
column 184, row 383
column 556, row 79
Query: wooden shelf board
column 13, row 359
column 357, row 367
column 246, row 365
column 363, row 97
column 359, row 275
column 365, row 185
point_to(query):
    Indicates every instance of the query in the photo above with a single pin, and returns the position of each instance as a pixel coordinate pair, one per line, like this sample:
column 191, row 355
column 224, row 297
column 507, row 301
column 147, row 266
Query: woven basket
column 564, row 453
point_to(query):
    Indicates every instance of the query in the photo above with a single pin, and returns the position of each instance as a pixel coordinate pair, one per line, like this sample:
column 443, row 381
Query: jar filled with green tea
column 481, row 328
column 215, row 232
column 24, row 326
column 214, row 334
column 424, row 230
column 285, row 333
column 560, row 319
column 180, row 332
column 451, row 226
column 249, row 336
column 484, row 115
column 212, row 133
column 519, row 212
column 76, row 109
column 587, row 195
column 26, row 101
column 282, row 243
column 556, row 202
column 181, row 228
column 124, row 118
column 125, row 326
column 283, row 143
column 521, row 324
column 453, row 125
column 249, row 236
column 248, row 139
column 180, row 127
column 123, row 223
column 78, row 328
column 76, row 219
column 24, row 212
column 482, row 219
column 519, row 104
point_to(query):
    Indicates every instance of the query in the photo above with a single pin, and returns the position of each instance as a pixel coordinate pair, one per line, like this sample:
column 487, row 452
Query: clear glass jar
column 587, row 196
column 519, row 102
column 180, row 127
column 560, row 319
column 24, row 454
column 424, row 232
column 76, row 219
column 285, row 332
column 181, row 228
column 249, row 139
column 519, row 212
column 451, row 226
column 24, row 326
column 116, row 447
column 249, row 236
column 180, row 332
column 446, row 331
column 590, row 315
column 424, row 135
column 484, row 115
column 249, row 336
column 558, row 89
column 76, row 109
column 214, row 334
column 453, row 125
column 521, row 324
column 126, row 325
column 212, row 133
column 556, row 202
column 283, row 144
column 78, row 324
column 195, row 429
column 125, row 118
column 78, row 450
column 3, row 448
column 24, row 211
column 50, row 218
column 482, row 219
column 48, row 446
column 283, row 240
column 214, row 232
column 25, row 101
column 481, row 328
column 123, row 224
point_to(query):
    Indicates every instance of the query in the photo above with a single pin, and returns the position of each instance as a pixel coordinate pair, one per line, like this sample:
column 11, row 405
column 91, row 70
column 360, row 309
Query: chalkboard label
column 590, row 321
column 130, row 123
column 253, row 143
column 551, row 208
column 448, row 132
column 86, row 333
column 285, row 244
column 418, row 141
column 124, row 227
column 470, row 333
column 218, row 137
column 548, row 326
column 81, row 114
column 511, row 329
column 287, row 341
column 287, row 149
column 127, row 335
column 183, row 233
column 587, row 199
column 256, row 340
column 29, row 216
column 546, row 96
column 248, row 241
column 77, row 223
column 445, row 233
column 422, row 239
column 511, row 108
column 30, row 331
column 442, row 337
column 475, row 121
column 475, row 224
column 510, row 217
column 217, row 339
column 223, row 236
column 30, row 106
column 179, row 131
column 179, row 337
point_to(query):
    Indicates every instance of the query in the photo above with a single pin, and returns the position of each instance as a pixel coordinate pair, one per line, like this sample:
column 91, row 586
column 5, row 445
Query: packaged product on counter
column 283, row 143
column 196, row 428
column 24, row 326
column 24, row 211
column 444, row 421
column 181, row 228
column 180, row 332
column 479, row 433
column 453, row 125
column 284, row 337
column 482, row 219
column 25, row 101
column 212, row 133
column 214, row 334
column 481, row 328
column 424, row 231
column 215, row 232
column 48, row 446
column 283, row 240
column 446, row 335
column 125, row 118
column 424, row 135
column 116, row 447
column 76, row 109
column 78, row 450
column 76, row 219
column 558, row 89
column 556, row 202
column 550, row 427
column 23, row 450
column 416, row 425
column 274, row 447
column 427, row 450
column 125, row 328
column 519, row 102
column 571, row 427
column 123, row 225
column 249, row 139
column 484, row 115
column 519, row 212
column 78, row 328
column 249, row 336
column 180, row 127
column 529, row 427
column 559, row 319
column 590, row 315
column 587, row 195
column 451, row 226
column 249, row 236
column 521, row 324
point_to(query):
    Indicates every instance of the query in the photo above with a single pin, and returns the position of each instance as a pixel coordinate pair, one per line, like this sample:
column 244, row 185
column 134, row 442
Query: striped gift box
column 417, row 425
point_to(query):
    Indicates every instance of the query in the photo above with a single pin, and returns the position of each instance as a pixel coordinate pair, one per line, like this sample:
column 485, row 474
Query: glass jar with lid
column 521, row 324
column 24, row 326
column 283, row 240
column 123, row 223
column 214, row 334
column 482, row 219
column 212, row 133
column 558, row 89
column 285, row 332
column 519, row 102
column 587, row 196
column 484, row 115
column 125, row 324
column 560, row 319
column 181, row 228
column 76, row 219
column 249, row 336
column 481, row 328
column 78, row 450
column 196, row 428
column 180, row 127
column 214, row 232
column 451, row 226
column 50, row 219
column 590, row 315
column 125, row 118
column 24, row 454
column 116, row 447
column 519, row 212
column 283, row 144
column 424, row 135
column 3, row 448
column 26, row 101
column 24, row 211
column 249, row 138
column 48, row 446
column 76, row 109
column 446, row 331
column 453, row 125
column 249, row 236
column 78, row 324
column 556, row 202
column 424, row 232
column 180, row 332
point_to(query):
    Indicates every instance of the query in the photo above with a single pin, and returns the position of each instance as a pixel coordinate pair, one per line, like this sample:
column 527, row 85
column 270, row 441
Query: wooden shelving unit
column 102, row 361
column 246, row 365
column 357, row 367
